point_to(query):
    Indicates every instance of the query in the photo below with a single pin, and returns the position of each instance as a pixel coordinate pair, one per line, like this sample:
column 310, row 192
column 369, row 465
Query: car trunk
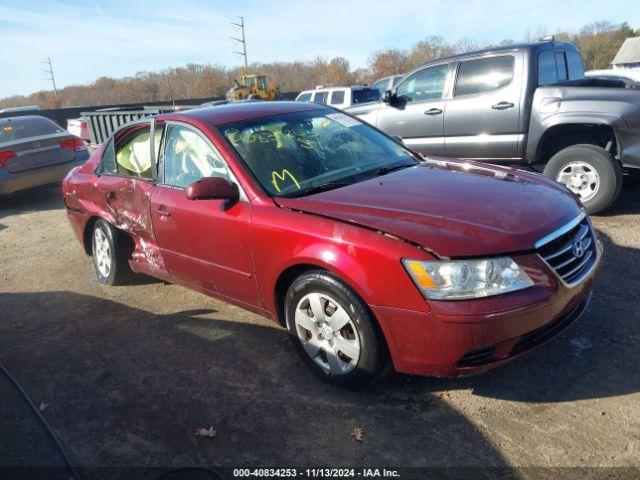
column 37, row 152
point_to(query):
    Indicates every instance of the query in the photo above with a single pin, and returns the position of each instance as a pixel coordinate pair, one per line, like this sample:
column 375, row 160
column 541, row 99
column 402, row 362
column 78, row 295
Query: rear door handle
column 502, row 105
column 433, row 111
column 162, row 211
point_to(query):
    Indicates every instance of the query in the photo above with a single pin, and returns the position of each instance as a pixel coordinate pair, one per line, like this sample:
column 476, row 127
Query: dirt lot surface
column 126, row 375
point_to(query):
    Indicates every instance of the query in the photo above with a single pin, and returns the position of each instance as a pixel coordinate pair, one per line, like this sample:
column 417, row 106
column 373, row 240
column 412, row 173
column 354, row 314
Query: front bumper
column 470, row 337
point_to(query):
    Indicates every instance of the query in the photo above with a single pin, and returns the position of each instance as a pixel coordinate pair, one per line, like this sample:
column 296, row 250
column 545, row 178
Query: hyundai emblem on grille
column 578, row 248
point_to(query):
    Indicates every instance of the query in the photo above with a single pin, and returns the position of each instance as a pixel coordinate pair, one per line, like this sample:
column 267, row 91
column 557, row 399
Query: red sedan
column 367, row 253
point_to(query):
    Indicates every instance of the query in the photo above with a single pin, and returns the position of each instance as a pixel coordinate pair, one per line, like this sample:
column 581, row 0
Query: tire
column 110, row 254
column 600, row 173
column 319, row 345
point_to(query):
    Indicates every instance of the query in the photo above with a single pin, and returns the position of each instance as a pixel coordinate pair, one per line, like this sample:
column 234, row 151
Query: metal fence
column 102, row 124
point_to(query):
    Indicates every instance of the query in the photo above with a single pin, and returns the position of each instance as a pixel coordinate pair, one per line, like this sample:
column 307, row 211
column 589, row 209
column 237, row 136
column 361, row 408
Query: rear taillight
column 75, row 144
column 5, row 156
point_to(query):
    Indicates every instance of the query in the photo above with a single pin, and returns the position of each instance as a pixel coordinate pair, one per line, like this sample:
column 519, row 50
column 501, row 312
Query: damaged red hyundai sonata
column 365, row 252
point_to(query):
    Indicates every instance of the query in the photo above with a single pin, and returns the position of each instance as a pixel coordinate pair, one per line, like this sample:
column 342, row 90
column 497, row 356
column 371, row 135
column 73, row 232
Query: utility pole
column 242, row 41
column 49, row 71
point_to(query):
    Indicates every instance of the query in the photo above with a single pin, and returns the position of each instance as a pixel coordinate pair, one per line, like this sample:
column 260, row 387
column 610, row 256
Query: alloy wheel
column 102, row 252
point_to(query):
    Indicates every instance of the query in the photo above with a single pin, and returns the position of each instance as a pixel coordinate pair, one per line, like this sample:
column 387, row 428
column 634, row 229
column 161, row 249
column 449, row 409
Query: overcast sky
column 88, row 39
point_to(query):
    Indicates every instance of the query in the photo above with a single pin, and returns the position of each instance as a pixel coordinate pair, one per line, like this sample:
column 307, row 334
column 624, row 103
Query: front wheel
column 333, row 330
column 590, row 172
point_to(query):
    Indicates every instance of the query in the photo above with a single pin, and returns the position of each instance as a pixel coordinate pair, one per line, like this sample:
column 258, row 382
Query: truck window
column 320, row 97
column 574, row 64
column 561, row 66
column 426, row 84
column 547, row 73
column 303, row 97
column 484, row 75
column 337, row 97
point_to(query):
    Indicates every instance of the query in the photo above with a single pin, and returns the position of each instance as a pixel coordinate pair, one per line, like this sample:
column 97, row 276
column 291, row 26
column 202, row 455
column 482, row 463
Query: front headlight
column 462, row 279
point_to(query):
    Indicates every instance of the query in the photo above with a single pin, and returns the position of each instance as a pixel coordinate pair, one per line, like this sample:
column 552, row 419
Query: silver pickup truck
column 526, row 105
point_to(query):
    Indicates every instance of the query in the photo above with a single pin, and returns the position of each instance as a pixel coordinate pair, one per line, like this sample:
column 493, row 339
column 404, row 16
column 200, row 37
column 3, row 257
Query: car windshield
column 300, row 153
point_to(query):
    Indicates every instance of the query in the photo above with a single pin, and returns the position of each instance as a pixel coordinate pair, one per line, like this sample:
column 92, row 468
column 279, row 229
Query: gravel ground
column 126, row 375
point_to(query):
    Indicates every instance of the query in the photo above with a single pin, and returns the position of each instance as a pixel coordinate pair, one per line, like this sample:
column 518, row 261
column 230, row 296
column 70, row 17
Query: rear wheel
column 333, row 330
column 590, row 172
column 110, row 254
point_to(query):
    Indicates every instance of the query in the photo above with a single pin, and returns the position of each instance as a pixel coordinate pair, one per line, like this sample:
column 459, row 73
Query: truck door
column 417, row 114
column 483, row 116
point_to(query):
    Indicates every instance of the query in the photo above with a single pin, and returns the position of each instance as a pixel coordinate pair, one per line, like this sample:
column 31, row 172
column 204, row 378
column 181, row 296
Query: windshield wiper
column 322, row 187
column 390, row 168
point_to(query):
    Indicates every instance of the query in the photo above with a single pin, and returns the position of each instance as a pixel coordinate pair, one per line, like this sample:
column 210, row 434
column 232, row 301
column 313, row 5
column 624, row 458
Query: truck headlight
column 463, row 279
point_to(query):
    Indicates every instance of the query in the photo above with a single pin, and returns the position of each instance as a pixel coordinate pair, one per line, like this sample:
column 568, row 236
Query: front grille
column 477, row 357
column 573, row 254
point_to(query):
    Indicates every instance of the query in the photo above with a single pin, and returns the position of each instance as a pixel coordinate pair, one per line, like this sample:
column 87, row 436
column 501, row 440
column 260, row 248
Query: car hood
column 450, row 207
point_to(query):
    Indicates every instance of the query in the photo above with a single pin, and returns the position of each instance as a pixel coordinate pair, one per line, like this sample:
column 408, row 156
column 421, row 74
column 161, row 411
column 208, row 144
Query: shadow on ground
column 128, row 387
column 48, row 197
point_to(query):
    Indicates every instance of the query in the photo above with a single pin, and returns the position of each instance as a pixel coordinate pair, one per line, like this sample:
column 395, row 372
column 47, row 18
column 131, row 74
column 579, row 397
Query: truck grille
column 573, row 254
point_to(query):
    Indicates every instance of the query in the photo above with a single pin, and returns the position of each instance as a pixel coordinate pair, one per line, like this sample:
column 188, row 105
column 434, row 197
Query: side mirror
column 388, row 97
column 213, row 188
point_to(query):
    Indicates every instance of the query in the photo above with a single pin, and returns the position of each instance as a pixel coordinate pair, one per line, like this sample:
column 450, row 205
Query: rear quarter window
column 575, row 66
column 108, row 163
column 19, row 128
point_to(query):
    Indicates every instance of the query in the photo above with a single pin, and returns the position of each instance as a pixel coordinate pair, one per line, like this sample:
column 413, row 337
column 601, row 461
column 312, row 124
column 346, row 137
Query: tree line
column 598, row 43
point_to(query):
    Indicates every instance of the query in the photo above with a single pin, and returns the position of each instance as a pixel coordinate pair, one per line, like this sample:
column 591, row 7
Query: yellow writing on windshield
column 275, row 176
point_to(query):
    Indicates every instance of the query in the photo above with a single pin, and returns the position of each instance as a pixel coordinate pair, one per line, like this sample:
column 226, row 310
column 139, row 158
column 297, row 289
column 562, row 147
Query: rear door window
column 337, row 97
column 26, row 127
column 547, row 73
column 320, row 97
column 561, row 67
column 484, row 74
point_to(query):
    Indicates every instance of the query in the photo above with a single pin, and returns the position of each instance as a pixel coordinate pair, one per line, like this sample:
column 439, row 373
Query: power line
column 49, row 71
column 242, row 41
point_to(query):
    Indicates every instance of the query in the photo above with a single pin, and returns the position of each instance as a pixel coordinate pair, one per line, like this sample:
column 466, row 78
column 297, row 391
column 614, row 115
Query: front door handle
column 162, row 211
column 502, row 105
column 111, row 196
column 433, row 111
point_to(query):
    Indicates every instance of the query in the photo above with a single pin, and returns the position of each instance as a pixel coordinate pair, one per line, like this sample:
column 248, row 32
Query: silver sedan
column 35, row 151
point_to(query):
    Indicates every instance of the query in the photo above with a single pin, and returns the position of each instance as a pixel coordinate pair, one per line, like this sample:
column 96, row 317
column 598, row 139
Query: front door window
column 189, row 158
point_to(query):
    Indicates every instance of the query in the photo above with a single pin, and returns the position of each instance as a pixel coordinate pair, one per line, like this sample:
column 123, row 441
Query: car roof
column 237, row 112
column 544, row 44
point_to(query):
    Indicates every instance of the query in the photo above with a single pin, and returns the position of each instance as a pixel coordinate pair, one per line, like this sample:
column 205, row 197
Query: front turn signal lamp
column 465, row 279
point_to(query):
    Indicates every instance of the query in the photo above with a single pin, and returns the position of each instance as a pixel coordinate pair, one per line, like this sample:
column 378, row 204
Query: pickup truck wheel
column 109, row 254
column 590, row 172
column 333, row 331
